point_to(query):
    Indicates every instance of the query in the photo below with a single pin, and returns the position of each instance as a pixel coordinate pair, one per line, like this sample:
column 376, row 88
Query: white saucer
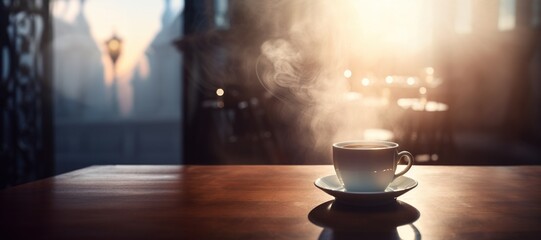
column 332, row 186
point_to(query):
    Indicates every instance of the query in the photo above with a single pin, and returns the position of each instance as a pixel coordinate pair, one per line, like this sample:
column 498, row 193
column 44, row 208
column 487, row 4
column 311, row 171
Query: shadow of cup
column 349, row 222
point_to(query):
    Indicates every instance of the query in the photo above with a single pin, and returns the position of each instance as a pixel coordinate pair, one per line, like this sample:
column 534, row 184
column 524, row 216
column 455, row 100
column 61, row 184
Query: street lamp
column 114, row 48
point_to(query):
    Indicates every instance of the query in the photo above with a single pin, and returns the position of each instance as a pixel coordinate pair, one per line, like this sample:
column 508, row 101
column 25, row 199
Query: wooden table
column 269, row 202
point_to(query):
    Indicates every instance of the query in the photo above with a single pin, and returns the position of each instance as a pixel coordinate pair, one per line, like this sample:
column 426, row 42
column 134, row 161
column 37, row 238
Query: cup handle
column 410, row 162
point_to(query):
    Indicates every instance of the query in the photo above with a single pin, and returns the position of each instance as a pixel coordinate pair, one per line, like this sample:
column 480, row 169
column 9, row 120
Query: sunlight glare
column 352, row 96
column 347, row 73
column 429, row 71
column 365, row 82
column 389, row 79
column 410, row 81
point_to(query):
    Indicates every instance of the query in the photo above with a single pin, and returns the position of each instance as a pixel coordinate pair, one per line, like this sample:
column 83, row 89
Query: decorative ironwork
column 25, row 91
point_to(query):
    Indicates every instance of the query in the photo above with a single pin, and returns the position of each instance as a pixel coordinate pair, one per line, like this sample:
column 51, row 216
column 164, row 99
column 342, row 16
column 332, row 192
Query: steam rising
column 305, row 69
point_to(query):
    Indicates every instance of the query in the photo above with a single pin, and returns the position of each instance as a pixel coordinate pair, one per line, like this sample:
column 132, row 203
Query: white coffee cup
column 368, row 166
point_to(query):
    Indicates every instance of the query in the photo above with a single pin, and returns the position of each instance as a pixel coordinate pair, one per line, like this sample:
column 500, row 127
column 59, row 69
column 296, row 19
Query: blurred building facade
column 156, row 93
column 79, row 85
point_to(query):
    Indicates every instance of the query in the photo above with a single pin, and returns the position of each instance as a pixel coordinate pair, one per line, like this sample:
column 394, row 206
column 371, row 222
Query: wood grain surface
column 269, row 202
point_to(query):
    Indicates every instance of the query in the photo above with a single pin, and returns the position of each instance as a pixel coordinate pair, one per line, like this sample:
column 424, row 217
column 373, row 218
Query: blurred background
column 265, row 82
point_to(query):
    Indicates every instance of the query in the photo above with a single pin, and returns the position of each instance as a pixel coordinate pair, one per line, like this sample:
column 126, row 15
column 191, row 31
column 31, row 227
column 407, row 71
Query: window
column 112, row 110
column 506, row 19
